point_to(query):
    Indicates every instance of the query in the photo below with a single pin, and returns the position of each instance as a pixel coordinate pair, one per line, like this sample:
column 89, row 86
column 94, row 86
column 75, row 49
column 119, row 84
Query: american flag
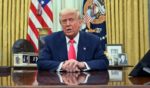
column 40, row 16
column 87, row 17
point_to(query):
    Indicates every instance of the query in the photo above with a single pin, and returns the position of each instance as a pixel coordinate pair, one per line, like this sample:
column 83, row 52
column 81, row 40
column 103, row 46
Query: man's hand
column 81, row 65
column 71, row 66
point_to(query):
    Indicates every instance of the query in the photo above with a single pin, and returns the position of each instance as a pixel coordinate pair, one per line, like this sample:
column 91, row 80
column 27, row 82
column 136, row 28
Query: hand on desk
column 73, row 66
column 73, row 78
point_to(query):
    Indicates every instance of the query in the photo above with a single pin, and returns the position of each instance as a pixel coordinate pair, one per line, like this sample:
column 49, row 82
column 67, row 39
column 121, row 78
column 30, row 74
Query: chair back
column 22, row 45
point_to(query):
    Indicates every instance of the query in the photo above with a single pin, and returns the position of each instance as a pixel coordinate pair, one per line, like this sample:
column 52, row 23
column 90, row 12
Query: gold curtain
column 127, row 24
column 13, row 26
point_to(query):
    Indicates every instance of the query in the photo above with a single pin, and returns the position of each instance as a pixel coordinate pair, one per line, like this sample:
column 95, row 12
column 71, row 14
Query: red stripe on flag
column 33, row 28
column 87, row 18
column 49, row 31
column 39, row 17
column 49, row 12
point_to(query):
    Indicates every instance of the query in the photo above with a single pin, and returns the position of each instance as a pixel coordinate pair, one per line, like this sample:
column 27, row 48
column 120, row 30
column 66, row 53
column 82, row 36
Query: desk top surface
column 9, row 77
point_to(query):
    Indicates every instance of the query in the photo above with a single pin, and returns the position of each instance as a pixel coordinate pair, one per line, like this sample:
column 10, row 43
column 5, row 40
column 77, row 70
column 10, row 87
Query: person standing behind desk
column 86, row 54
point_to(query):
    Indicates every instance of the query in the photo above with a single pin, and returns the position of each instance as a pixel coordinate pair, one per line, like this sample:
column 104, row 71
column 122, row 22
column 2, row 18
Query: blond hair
column 69, row 10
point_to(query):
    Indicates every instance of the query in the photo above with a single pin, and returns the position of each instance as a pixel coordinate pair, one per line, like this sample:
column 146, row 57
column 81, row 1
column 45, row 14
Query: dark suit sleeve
column 46, row 60
column 99, row 60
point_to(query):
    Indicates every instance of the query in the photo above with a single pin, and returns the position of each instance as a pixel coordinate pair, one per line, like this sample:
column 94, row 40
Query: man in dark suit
column 72, row 50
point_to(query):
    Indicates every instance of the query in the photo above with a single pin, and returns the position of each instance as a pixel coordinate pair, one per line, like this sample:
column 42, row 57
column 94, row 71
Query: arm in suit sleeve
column 46, row 60
column 99, row 60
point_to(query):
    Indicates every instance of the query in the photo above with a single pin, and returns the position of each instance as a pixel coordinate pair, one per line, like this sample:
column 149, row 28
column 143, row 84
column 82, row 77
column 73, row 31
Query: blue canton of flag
column 43, row 2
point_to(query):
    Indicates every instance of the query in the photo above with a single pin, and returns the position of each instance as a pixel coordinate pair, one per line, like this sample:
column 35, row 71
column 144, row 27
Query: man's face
column 70, row 24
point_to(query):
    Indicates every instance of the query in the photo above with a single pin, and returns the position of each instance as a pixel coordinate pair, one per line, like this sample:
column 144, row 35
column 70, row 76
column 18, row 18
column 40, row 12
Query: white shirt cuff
column 87, row 67
column 59, row 67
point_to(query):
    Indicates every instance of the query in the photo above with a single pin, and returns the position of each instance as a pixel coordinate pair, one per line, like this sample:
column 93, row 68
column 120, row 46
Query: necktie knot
column 71, row 41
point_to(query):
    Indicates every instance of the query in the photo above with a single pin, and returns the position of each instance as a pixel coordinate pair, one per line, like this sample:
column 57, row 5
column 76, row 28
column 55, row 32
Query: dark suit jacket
column 55, row 51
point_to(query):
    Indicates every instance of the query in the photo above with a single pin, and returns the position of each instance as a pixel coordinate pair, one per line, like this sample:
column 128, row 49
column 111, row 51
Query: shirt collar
column 76, row 38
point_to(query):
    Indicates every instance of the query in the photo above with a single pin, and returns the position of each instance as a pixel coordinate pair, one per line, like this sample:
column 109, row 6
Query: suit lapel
column 63, row 48
column 82, row 47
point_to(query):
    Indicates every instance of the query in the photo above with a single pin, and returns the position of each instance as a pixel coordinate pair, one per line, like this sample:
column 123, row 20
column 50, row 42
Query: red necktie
column 71, row 52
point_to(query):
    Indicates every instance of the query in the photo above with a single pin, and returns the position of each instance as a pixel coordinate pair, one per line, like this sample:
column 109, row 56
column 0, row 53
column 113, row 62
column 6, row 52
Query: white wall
column 58, row 5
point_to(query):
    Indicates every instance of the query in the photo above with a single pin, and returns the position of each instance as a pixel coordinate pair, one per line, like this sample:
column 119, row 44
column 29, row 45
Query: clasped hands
column 73, row 66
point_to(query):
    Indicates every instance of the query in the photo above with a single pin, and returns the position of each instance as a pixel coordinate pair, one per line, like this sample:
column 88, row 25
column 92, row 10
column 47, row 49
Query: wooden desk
column 96, row 79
